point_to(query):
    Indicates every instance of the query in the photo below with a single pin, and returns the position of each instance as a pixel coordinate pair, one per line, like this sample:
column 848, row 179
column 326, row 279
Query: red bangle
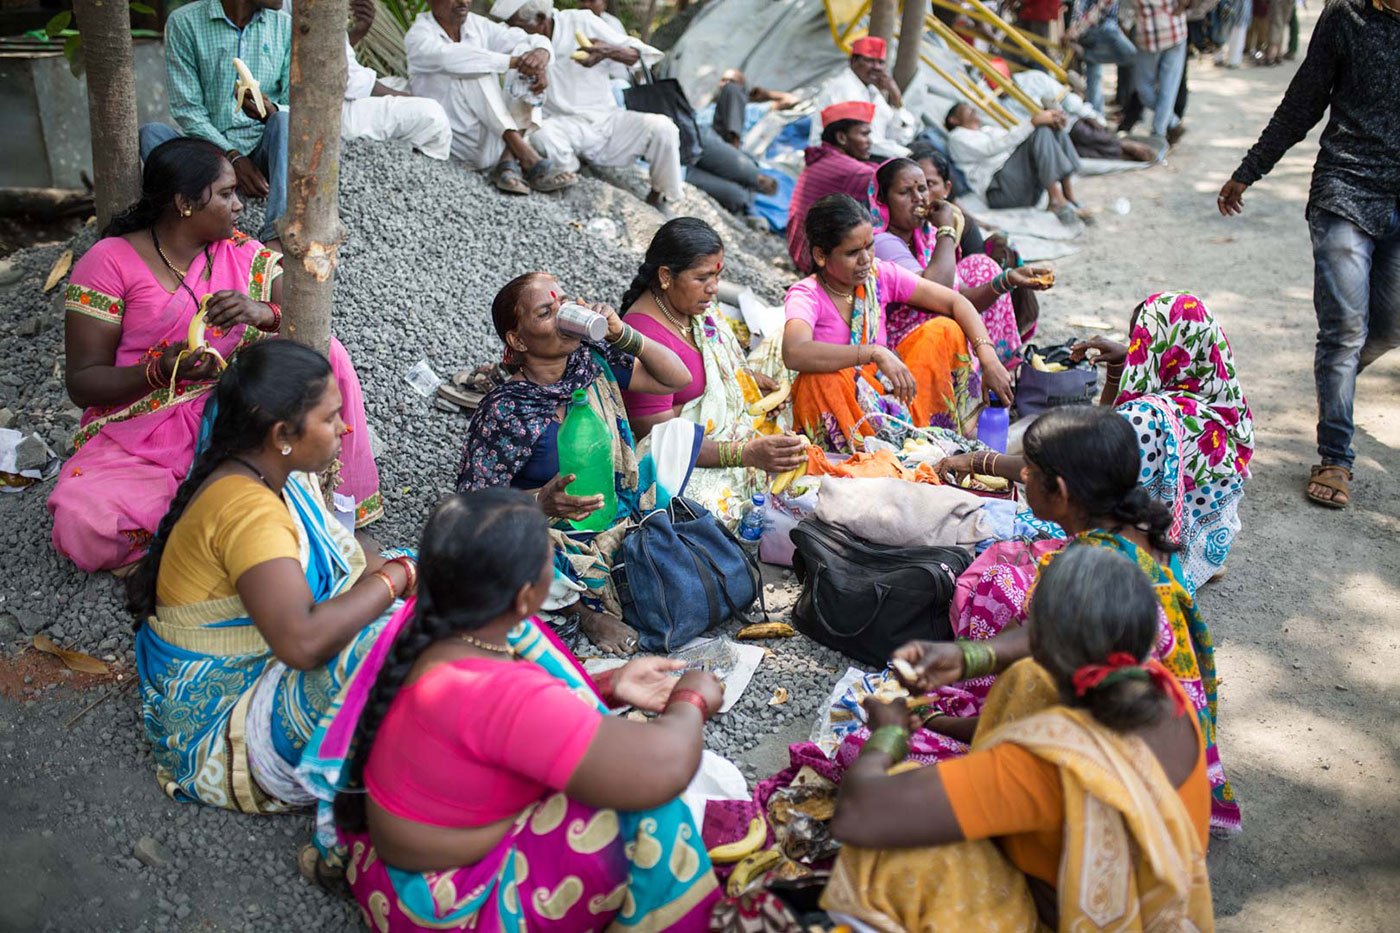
column 605, row 681
column 691, row 697
column 276, row 324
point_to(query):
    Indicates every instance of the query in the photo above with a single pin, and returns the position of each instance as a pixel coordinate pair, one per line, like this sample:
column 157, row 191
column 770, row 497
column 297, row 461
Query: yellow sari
column 1131, row 860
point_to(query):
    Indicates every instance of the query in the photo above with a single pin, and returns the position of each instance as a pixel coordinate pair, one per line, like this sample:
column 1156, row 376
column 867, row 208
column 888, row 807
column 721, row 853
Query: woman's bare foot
column 608, row 633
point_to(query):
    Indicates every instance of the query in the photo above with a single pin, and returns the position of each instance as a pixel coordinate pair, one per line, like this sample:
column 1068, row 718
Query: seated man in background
column 839, row 165
column 582, row 117
column 201, row 41
column 1013, row 168
column 375, row 110
column 458, row 60
column 1091, row 139
column 892, row 127
column 732, row 100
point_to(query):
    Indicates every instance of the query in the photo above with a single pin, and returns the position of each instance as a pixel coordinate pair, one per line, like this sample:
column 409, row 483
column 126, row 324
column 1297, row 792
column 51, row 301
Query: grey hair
column 1090, row 602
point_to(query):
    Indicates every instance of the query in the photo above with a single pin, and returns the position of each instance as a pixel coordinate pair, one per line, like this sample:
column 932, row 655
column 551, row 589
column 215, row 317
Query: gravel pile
column 429, row 245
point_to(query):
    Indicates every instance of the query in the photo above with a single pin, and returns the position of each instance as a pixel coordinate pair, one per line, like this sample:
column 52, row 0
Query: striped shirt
column 200, row 45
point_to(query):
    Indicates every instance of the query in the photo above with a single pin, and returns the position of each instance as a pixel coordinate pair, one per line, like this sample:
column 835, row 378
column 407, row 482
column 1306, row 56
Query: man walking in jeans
column 1160, row 63
column 1353, row 66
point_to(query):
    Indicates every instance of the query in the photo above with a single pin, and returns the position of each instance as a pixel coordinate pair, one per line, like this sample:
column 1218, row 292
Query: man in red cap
column 839, row 164
column 866, row 79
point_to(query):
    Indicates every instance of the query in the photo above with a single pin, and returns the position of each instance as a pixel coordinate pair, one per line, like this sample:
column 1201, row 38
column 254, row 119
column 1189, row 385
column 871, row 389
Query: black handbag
column 1038, row 392
column 865, row 599
column 666, row 98
column 680, row 572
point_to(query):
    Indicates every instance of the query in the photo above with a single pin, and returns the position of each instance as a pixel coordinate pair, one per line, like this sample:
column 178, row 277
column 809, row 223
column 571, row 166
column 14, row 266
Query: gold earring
column 665, row 285
column 286, row 450
column 187, row 212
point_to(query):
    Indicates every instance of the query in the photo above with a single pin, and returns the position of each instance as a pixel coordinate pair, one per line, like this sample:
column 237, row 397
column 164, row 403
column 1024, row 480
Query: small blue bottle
column 993, row 424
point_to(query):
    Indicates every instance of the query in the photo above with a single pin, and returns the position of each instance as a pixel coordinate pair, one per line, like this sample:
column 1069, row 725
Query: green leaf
column 142, row 8
column 58, row 23
column 73, row 51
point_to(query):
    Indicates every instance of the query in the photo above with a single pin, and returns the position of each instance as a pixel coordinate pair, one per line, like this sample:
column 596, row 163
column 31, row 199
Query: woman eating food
column 474, row 777
column 254, row 604
column 672, row 300
column 1084, row 803
column 130, row 302
column 851, row 378
column 513, row 440
column 918, row 230
column 1081, row 471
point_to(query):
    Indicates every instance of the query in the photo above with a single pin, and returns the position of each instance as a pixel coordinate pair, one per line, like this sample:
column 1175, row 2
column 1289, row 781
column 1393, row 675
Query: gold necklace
column 182, row 273
column 844, row 296
column 485, row 645
column 685, row 333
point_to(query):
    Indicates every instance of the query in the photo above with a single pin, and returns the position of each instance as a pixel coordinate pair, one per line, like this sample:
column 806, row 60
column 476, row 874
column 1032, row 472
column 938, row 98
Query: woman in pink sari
column 129, row 302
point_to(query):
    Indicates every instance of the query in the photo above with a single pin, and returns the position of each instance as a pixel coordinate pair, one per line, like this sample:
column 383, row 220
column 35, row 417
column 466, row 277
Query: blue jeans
column 270, row 156
column 1158, row 78
column 1105, row 44
column 1356, row 289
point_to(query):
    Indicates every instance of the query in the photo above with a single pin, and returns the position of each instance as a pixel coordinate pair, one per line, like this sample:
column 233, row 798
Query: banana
column 194, row 340
column 580, row 56
column 734, row 851
column 765, row 630
column 783, row 480
column 583, row 41
column 247, row 84
column 772, row 400
column 751, row 869
column 905, row 672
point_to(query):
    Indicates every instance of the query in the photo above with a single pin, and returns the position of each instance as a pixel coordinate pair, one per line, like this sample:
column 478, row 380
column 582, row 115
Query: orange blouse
column 1010, row 794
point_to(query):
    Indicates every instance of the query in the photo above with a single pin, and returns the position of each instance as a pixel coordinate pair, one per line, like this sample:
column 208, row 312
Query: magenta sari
column 128, row 460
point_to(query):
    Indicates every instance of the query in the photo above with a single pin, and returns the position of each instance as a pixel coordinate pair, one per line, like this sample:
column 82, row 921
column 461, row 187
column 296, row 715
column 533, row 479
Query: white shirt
column 486, row 47
column 1041, row 87
column 359, row 79
column 981, row 153
column 574, row 89
column 891, row 127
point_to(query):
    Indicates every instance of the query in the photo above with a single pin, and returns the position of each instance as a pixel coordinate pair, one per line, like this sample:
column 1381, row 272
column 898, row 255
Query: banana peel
column 247, row 84
column 736, row 851
column 765, row 630
column 751, row 870
column 1038, row 363
column 196, row 341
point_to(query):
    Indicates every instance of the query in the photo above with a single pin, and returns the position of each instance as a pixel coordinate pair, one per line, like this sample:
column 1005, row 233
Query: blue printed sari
column 228, row 721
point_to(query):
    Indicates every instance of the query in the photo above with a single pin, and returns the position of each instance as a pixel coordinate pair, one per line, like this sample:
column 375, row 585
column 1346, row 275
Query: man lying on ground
column 892, row 127
column 1091, row 139
column 458, row 60
column 840, row 164
column 1013, row 168
column 583, row 120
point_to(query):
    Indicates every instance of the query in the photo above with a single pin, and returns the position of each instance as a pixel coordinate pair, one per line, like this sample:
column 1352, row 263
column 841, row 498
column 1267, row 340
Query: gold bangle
column 388, row 584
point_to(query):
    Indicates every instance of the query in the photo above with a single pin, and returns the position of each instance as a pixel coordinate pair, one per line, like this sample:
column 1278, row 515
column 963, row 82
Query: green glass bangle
column 892, row 740
column 979, row 658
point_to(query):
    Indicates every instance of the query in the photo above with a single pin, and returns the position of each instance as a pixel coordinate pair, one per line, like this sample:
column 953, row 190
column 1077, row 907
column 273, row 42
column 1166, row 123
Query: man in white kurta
column 583, row 119
column 459, row 60
column 866, row 80
column 373, row 110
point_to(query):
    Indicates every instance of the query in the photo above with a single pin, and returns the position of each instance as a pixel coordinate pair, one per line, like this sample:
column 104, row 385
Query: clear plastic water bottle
column 752, row 524
column 585, row 450
column 993, row 424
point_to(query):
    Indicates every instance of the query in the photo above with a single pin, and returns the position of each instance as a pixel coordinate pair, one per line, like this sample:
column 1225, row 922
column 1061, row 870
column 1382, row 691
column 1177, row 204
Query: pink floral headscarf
column 1178, row 352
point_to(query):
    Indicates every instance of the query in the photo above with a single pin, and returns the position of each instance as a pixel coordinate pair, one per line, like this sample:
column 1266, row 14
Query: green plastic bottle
column 585, row 450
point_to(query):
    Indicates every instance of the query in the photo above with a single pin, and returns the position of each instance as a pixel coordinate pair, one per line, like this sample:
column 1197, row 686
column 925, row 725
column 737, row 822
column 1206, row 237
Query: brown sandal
column 1333, row 477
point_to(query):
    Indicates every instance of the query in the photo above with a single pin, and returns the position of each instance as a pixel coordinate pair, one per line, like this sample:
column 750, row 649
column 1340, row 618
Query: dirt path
column 1307, row 623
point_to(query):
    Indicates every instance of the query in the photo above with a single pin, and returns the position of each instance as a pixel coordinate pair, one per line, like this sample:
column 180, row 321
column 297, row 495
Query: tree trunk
column 311, row 231
column 911, row 34
column 648, row 14
column 111, row 87
column 882, row 16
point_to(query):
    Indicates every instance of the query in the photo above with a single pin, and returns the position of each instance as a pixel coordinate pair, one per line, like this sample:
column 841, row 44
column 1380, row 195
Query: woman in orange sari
column 851, row 383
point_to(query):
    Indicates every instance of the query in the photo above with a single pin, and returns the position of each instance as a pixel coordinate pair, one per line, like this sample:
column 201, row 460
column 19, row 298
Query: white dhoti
column 480, row 113
column 615, row 138
column 416, row 120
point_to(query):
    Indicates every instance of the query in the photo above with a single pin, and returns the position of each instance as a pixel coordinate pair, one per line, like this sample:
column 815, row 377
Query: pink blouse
column 807, row 301
column 475, row 741
column 642, row 403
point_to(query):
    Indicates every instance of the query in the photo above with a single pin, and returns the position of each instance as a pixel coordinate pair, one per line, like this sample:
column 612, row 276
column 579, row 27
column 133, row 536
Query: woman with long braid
column 253, row 603
column 129, row 305
column 470, row 776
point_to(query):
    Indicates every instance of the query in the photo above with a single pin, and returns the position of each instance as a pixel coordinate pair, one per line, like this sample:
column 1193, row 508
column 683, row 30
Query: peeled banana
column 772, row 400
column 765, row 630
column 247, row 84
column 751, row 869
column 734, row 851
column 583, row 43
column 195, row 339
